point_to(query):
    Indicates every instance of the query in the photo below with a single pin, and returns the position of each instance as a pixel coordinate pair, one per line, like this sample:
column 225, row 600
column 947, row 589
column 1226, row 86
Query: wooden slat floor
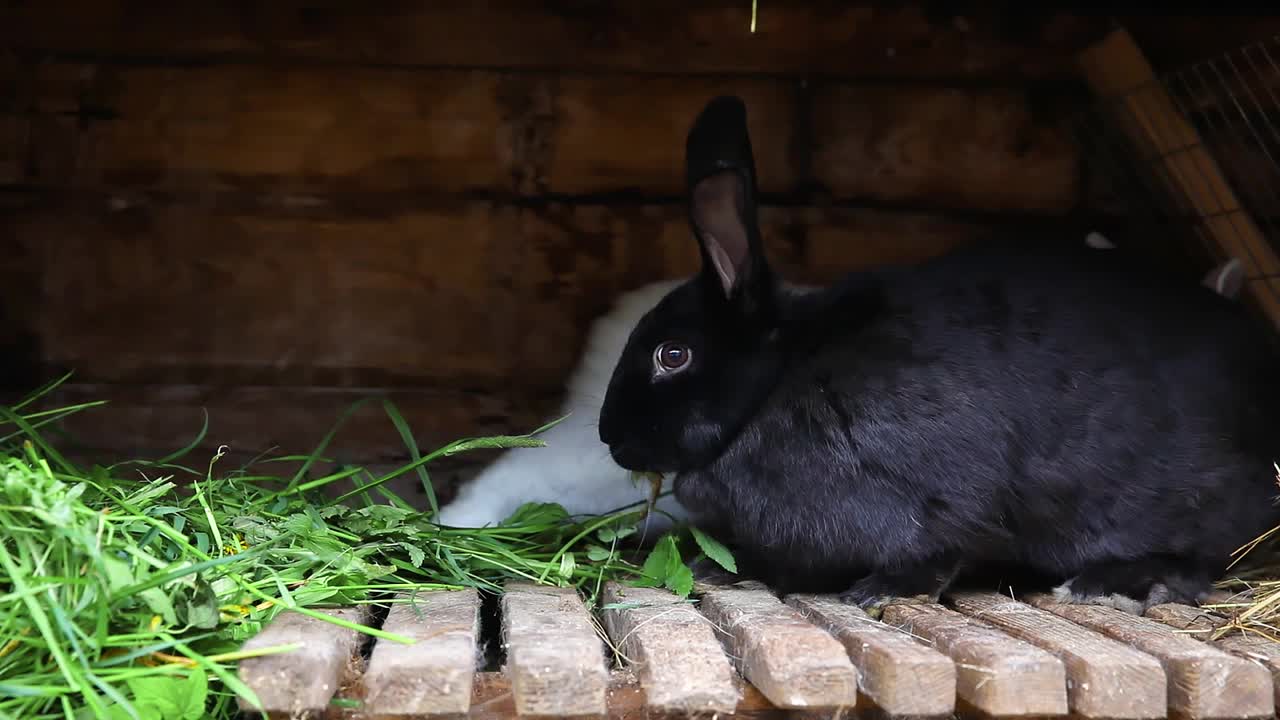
column 742, row 651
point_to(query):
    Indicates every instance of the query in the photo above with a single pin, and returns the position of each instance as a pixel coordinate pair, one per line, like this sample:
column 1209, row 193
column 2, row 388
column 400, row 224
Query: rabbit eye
column 671, row 357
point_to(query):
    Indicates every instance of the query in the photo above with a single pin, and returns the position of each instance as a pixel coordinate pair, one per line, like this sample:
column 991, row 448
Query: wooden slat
column 945, row 147
column 1202, row 623
column 318, row 308
column 791, row 661
column 610, row 136
column 389, row 300
column 307, row 130
column 289, row 291
column 1105, row 678
column 245, row 127
column 433, row 676
column 1204, row 683
column 555, row 659
column 492, row 700
column 20, row 354
column 899, row 674
column 151, row 421
column 305, row 679
column 680, row 662
column 14, row 133
column 997, row 675
column 665, row 36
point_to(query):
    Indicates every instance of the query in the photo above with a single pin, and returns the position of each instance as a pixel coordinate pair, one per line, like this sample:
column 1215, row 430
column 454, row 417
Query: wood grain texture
column 433, row 676
column 555, row 660
column 794, row 663
column 862, row 39
column 944, row 147
column 277, row 291
column 1202, row 624
column 154, row 420
column 492, row 700
column 1204, row 682
column 1105, row 678
column 996, row 674
column 292, row 128
column 672, row 649
column 305, row 679
column 448, row 292
column 305, row 130
column 468, row 317
column 899, row 674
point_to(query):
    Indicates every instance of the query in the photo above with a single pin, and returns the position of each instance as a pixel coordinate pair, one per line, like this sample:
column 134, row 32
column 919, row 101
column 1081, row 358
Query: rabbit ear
column 718, row 223
column 720, row 171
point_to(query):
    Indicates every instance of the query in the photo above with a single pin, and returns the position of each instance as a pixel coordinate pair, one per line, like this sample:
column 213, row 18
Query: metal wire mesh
column 1167, row 181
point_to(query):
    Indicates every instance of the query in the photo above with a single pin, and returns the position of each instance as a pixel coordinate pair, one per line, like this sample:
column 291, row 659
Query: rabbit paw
column 1133, row 586
column 873, row 592
column 869, row 594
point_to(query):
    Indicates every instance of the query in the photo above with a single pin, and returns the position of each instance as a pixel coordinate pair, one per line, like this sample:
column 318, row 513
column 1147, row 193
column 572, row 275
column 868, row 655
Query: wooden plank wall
column 270, row 209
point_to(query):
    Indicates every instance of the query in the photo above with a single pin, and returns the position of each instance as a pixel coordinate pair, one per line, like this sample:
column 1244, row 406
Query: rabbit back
column 1003, row 406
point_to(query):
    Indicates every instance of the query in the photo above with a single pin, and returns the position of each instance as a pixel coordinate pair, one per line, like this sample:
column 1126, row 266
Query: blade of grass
column 406, row 436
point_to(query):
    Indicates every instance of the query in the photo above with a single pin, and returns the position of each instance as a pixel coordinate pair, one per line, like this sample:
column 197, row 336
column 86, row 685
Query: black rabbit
column 1005, row 405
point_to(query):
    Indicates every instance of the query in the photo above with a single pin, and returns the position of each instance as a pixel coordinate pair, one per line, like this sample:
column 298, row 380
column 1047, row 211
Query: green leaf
column 664, row 567
column 201, row 608
column 595, row 553
column 659, row 563
column 202, row 543
column 119, row 576
column 567, row 565
column 197, row 693
column 118, row 712
column 160, row 604
column 416, row 556
column 680, row 581
column 609, row 534
column 158, row 697
column 537, row 514
column 715, row 550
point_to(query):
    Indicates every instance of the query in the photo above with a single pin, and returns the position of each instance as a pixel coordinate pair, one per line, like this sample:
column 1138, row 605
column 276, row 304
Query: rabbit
column 909, row 427
column 574, row 468
column 1226, row 278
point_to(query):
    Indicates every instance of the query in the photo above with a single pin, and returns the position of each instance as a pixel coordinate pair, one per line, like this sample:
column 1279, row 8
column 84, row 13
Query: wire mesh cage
column 1192, row 155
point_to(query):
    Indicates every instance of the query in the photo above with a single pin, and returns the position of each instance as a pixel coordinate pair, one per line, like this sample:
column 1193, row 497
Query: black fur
column 1009, row 405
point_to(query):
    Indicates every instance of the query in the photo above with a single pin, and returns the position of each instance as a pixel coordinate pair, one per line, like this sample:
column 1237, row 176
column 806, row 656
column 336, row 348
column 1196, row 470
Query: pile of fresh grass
column 127, row 591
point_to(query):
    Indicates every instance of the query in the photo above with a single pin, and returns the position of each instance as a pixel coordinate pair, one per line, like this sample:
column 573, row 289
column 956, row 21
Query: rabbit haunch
column 1051, row 411
column 575, row 469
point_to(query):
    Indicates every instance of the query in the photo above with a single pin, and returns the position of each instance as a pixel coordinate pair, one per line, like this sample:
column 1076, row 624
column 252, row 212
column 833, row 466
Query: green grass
column 127, row 591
